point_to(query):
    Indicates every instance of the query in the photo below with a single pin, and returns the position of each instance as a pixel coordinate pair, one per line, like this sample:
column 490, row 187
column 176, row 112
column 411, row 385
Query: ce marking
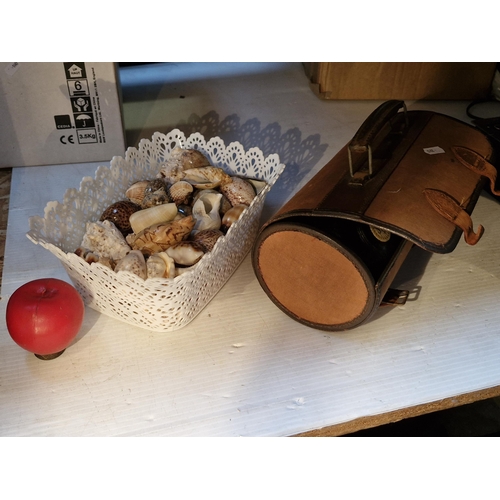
column 68, row 138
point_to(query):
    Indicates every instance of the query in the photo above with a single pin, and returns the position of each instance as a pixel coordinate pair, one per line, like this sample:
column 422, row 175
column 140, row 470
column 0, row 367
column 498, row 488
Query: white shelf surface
column 242, row 367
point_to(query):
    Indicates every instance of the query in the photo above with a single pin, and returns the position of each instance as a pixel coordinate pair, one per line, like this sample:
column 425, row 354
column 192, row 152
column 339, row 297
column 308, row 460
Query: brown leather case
column 329, row 255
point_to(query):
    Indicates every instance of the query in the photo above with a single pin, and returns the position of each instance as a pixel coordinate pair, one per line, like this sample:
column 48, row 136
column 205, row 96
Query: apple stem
column 49, row 356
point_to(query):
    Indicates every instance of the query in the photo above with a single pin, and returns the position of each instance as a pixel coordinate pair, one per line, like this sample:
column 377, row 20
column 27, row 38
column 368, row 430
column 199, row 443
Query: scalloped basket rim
column 40, row 226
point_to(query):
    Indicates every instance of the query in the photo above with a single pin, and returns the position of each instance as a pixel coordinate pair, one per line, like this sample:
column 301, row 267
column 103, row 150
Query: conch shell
column 154, row 215
column 206, row 211
column 105, row 239
column 224, row 205
column 159, row 237
column 133, row 262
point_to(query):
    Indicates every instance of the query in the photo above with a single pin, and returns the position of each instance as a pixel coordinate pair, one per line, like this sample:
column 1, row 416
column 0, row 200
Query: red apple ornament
column 44, row 316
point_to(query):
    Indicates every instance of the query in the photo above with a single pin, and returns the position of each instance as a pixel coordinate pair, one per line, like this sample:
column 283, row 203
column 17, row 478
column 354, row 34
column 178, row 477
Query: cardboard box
column 390, row 80
column 59, row 113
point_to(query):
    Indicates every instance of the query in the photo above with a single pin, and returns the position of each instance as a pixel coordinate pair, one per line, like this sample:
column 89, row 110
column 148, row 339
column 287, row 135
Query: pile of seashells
column 165, row 225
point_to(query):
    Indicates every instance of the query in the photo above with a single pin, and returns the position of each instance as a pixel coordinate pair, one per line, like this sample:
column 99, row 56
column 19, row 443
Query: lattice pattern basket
column 157, row 304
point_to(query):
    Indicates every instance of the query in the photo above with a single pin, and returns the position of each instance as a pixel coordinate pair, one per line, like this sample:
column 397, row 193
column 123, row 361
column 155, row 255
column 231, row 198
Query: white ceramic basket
column 157, row 304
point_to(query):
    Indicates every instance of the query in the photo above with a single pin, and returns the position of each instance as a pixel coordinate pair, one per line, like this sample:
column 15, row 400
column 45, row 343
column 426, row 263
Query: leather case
column 328, row 257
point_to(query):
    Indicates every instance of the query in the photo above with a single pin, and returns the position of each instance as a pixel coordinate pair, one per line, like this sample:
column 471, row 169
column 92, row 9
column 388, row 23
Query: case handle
column 363, row 139
column 446, row 206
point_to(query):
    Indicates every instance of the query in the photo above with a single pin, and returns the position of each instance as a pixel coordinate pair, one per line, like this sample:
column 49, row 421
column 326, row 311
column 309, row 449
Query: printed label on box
column 59, row 112
column 75, row 70
column 87, row 117
column 62, row 121
column 87, row 136
column 78, row 87
column 80, row 104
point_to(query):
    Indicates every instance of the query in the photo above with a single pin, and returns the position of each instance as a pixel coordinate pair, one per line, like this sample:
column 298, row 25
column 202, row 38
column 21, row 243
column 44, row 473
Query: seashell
column 155, row 185
column 257, row 184
column 84, row 252
column 180, row 160
column 225, row 204
column 172, row 173
column 160, row 265
column 179, row 271
column 92, row 258
column 133, row 262
column 206, row 177
column 135, row 193
column 159, row 237
column 199, row 192
column 238, row 192
column 106, row 240
column 206, row 211
column 154, row 199
column 119, row 213
column 232, row 215
column 181, row 192
column 188, row 158
column 186, row 253
column 155, row 193
column 153, row 215
column 207, row 238
column 185, row 210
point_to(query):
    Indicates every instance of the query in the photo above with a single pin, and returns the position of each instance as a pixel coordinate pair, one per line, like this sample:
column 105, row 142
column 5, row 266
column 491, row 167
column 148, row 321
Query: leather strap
column 477, row 164
column 445, row 205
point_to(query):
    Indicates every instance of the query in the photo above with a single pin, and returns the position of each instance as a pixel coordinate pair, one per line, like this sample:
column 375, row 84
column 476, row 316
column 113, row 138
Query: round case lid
column 312, row 277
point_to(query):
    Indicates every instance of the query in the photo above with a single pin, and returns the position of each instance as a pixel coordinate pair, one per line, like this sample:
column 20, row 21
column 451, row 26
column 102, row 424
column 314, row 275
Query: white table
column 242, row 367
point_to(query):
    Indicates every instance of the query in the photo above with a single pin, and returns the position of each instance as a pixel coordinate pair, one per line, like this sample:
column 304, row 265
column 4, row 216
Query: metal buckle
column 370, row 164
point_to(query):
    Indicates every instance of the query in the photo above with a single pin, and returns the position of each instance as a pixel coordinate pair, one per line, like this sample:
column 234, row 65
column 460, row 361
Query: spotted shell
column 119, row 213
column 207, row 238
